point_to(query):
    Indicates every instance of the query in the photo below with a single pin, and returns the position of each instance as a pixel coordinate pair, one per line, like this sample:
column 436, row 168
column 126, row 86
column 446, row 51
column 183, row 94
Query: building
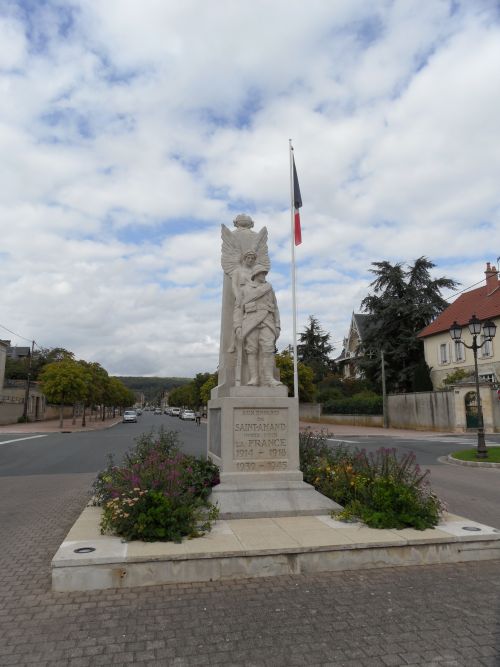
column 352, row 351
column 445, row 356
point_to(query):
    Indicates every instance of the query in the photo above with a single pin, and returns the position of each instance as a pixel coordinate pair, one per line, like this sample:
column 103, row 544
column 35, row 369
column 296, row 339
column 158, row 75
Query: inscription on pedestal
column 260, row 439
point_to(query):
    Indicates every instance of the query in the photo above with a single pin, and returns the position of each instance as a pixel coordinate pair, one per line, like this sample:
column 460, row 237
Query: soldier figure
column 257, row 325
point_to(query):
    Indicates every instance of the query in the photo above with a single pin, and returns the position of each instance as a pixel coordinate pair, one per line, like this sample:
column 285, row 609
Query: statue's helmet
column 243, row 220
column 258, row 268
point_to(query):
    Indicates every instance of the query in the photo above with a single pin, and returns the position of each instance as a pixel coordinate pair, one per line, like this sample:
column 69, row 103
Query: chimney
column 491, row 279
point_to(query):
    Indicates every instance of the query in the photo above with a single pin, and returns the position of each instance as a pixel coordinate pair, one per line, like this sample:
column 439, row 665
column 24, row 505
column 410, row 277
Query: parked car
column 188, row 415
column 139, row 411
column 129, row 416
column 157, row 411
column 175, row 412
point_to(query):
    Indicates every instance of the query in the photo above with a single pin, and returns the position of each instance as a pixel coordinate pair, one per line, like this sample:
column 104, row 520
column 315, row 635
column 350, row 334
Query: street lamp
column 489, row 330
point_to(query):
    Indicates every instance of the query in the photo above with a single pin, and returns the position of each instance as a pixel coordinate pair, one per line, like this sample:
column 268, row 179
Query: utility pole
column 384, row 392
column 28, row 379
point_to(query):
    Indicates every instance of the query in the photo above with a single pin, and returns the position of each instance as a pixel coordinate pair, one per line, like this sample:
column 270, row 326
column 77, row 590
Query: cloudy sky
column 131, row 129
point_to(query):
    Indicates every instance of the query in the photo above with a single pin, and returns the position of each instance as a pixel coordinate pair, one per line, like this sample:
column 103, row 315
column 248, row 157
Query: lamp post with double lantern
column 489, row 331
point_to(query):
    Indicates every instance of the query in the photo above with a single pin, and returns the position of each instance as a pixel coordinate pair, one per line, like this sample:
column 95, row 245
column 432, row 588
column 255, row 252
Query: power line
column 463, row 290
column 30, row 340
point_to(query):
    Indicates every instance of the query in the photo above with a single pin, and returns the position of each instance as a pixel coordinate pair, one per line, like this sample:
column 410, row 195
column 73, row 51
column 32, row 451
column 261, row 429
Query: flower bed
column 157, row 493
column 381, row 489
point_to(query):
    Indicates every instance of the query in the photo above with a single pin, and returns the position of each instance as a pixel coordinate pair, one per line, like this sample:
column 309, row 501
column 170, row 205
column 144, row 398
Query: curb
column 473, row 464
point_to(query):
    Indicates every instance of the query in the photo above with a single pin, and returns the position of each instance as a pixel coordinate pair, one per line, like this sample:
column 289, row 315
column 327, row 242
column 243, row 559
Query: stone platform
column 247, row 548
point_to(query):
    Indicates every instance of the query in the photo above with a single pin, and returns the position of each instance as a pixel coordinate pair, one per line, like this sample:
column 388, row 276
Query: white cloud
column 129, row 131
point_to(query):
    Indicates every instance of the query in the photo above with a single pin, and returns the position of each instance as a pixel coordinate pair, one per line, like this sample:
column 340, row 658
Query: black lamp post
column 489, row 330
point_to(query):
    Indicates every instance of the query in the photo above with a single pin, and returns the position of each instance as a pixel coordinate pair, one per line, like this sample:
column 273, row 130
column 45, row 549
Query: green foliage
column 284, row 363
column 403, row 302
column 357, row 405
column 205, row 389
column 471, row 455
column 63, row 382
column 153, row 516
column 315, row 348
column 185, row 396
column 456, row 376
column 153, row 387
column 334, row 386
column 158, row 493
column 379, row 488
column 17, row 369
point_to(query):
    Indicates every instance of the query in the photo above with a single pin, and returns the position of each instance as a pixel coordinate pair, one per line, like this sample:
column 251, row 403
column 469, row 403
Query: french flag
column 297, row 203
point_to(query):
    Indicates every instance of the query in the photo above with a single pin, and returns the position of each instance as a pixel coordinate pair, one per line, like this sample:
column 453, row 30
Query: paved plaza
column 443, row 615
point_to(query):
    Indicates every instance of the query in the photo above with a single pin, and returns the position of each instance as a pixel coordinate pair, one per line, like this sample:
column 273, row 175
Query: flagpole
column 294, row 303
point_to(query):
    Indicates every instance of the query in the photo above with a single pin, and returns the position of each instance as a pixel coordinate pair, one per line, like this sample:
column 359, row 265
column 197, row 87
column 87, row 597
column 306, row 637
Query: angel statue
column 242, row 249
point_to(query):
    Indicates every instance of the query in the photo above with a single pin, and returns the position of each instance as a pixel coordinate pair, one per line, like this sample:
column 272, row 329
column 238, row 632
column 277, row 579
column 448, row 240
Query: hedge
column 354, row 406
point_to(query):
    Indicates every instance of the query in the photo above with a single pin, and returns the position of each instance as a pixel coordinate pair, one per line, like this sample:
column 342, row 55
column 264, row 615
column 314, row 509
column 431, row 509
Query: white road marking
column 354, row 442
column 29, row 437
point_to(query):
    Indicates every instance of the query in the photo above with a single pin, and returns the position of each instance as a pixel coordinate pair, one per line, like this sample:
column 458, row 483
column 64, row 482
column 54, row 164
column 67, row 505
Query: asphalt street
column 427, row 615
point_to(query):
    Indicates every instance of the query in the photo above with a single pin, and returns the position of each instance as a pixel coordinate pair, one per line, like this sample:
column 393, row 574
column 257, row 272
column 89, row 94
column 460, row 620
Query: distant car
column 157, row 411
column 175, row 412
column 139, row 411
column 188, row 415
column 129, row 416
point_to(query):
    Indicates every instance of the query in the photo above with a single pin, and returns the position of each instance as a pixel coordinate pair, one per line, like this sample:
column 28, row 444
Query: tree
column 403, row 302
column 63, row 382
column 305, row 374
column 314, row 349
column 207, row 387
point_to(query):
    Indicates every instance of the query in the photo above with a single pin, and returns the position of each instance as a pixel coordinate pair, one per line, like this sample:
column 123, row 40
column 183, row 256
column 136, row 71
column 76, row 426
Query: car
column 129, row 416
column 188, row 415
column 175, row 412
column 139, row 411
column 157, row 411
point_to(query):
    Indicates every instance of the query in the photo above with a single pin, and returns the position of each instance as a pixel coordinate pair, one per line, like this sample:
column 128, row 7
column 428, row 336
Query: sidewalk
column 346, row 430
column 52, row 426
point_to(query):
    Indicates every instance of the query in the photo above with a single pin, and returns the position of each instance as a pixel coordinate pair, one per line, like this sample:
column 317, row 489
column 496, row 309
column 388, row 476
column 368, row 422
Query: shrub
column 158, row 493
column 357, row 405
column 381, row 489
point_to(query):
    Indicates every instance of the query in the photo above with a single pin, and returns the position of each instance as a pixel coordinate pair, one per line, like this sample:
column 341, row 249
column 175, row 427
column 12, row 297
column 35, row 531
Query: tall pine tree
column 314, row 349
column 403, row 302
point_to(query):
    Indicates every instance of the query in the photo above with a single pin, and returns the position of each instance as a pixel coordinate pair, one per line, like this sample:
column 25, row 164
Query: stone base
column 255, row 500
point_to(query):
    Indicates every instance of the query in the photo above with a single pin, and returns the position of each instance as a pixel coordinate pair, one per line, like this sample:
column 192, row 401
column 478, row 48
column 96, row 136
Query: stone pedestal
column 253, row 437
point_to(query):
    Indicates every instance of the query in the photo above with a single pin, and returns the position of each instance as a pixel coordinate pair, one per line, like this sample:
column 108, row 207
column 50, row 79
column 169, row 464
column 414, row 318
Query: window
column 443, row 353
column 487, row 349
column 459, row 351
column 487, row 377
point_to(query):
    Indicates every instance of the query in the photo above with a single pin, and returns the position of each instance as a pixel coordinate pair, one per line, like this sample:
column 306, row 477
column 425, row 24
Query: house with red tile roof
column 444, row 356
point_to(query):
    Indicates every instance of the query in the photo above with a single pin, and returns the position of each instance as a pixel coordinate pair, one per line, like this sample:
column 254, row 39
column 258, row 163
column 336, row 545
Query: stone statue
column 242, row 249
column 257, row 326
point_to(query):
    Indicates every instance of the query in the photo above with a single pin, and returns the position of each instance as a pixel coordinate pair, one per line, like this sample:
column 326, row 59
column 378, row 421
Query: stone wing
column 231, row 252
column 261, row 249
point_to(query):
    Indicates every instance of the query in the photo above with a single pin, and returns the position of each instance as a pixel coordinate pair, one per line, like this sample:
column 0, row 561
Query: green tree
column 63, row 383
column 403, row 302
column 207, row 387
column 185, row 396
column 305, row 374
column 314, row 349
column 96, row 382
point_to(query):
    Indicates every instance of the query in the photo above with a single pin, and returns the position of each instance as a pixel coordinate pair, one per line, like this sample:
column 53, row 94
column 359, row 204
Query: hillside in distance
column 152, row 387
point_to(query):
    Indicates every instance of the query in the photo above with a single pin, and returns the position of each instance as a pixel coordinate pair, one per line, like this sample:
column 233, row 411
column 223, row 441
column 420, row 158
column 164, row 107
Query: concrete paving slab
column 243, row 548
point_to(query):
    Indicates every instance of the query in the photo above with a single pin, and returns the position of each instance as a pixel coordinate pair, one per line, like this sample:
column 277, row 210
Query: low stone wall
column 352, row 420
column 309, row 411
column 424, row 411
column 10, row 413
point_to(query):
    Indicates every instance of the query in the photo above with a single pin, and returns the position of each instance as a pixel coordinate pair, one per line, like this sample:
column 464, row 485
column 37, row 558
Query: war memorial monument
column 253, row 426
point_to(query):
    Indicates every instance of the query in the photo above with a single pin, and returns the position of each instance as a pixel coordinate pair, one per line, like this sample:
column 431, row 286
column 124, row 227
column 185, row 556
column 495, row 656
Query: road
column 427, row 615
column 81, row 452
